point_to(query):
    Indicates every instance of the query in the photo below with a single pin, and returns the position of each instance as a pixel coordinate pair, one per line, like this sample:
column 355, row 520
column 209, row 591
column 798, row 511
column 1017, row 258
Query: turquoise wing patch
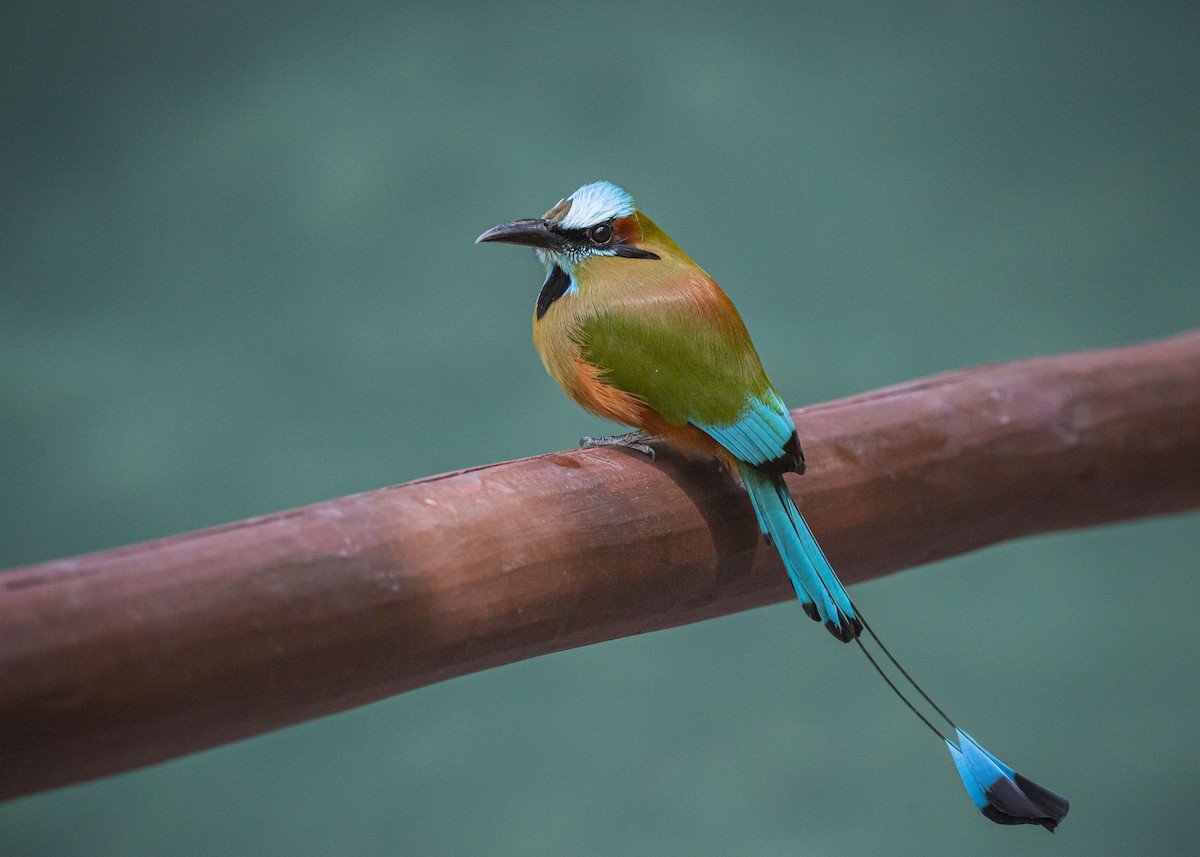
column 760, row 432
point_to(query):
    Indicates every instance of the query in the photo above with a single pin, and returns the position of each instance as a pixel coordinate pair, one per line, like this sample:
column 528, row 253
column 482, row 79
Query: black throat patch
column 556, row 286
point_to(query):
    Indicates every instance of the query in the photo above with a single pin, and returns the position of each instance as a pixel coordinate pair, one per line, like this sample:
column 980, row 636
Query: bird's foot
column 635, row 440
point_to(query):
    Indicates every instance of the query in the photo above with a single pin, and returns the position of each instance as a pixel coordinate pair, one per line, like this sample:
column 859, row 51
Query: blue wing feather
column 760, row 432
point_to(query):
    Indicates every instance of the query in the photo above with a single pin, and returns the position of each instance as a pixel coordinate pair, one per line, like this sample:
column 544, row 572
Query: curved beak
column 530, row 233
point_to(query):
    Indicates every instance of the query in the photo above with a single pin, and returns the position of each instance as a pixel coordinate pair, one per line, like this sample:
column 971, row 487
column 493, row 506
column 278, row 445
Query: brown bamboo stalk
column 127, row 657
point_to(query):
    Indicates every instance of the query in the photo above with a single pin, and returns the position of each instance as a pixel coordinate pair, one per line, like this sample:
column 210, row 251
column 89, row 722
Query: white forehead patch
column 595, row 203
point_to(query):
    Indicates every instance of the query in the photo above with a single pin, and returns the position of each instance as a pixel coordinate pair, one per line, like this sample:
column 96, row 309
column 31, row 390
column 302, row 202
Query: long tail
column 999, row 792
column 822, row 594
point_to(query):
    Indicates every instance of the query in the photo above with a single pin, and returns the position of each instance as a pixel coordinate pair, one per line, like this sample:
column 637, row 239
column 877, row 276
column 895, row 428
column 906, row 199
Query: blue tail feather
column 999, row 792
column 813, row 551
column 822, row 594
column 773, row 519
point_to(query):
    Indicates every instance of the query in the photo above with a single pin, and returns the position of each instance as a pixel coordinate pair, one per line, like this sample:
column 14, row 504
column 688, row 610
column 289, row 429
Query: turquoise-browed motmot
column 635, row 331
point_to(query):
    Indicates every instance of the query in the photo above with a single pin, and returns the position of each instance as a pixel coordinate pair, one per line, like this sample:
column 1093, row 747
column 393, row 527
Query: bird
column 636, row 332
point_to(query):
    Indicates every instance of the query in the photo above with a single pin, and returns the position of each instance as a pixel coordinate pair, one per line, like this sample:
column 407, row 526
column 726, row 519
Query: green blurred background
column 236, row 276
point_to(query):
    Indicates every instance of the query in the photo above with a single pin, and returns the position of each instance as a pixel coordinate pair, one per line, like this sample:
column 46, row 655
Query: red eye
column 601, row 234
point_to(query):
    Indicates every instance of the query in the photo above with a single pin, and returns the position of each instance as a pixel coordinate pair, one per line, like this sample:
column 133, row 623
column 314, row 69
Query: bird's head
column 597, row 243
column 598, row 220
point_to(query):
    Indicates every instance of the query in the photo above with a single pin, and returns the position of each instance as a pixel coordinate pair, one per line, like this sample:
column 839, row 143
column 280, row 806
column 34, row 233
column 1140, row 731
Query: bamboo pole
column 127, row 657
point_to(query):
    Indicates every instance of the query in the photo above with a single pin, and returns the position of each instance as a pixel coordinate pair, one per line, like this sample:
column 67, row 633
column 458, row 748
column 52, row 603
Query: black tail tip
column 1054, row 807
column 810, row 610
column 847, row 631
column 1019, row 800
column 999, row 792
column 1001, row 817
